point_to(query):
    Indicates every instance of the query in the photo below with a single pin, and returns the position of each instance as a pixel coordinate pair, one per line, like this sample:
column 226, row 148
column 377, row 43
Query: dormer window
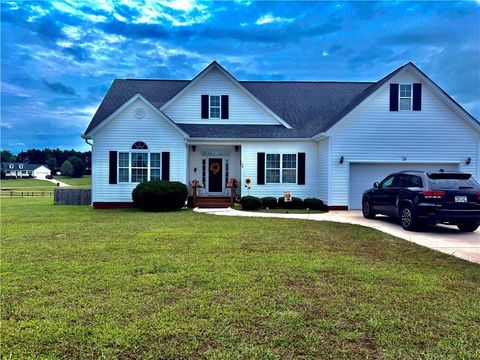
column 405, row 97
column 11, row 166
column 214, row 107
column 20, row 166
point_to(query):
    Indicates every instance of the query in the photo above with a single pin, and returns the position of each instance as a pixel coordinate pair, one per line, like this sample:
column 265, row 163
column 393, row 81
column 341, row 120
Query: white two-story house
column 329, row 140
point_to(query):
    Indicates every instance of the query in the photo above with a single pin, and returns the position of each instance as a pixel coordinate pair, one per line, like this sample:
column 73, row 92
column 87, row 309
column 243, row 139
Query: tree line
column 69, row 162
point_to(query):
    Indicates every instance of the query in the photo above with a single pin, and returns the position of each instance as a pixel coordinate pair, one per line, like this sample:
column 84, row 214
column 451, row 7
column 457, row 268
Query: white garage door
column 362, row 176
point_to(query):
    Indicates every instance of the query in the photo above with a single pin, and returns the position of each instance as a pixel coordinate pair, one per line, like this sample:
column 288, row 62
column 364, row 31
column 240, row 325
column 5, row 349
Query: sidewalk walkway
column 61, row 184
column 446, row 239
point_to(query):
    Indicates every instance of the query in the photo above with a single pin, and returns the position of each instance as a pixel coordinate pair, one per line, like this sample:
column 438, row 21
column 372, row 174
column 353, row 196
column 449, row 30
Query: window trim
column 130, row 152
column 405, row 97
column 281, row 168
column 219, row 107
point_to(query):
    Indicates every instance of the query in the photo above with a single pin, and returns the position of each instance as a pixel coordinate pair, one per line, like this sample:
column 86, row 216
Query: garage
column 363, row 175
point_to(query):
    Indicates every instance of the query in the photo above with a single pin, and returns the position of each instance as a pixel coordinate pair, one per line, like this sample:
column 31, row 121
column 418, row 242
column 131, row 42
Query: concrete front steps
column 213, row 202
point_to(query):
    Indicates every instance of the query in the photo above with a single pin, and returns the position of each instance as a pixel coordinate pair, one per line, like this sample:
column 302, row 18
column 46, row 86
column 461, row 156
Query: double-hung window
column 405, row 97
column 289, row 168
column 272, row 168
column 281, row 168
column 123, row 167
column 214, row 107
column 139, row 166
column 155, row 166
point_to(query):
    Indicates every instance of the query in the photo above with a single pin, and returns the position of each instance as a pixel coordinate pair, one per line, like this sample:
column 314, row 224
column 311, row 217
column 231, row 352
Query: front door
column 215, row 175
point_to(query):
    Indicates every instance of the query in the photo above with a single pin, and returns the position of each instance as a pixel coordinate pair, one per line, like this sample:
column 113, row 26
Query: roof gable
column 310, row 108
column 219, row 73
column 125, row 105
column 363, row 98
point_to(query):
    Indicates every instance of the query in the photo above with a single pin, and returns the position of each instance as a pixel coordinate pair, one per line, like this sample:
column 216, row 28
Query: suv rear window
column 445, row 181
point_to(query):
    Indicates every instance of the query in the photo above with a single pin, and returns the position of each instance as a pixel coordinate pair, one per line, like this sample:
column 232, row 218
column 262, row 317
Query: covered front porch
column 211, row 167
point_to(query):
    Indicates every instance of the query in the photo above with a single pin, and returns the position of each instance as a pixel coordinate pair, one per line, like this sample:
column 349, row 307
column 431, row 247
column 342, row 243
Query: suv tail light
column 430, row 194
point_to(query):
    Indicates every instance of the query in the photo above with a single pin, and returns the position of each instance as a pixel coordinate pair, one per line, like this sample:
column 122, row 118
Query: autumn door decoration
column 215, row 168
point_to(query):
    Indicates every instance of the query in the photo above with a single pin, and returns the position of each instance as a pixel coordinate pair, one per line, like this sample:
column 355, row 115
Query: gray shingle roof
column 6, row 166
column 308, row 107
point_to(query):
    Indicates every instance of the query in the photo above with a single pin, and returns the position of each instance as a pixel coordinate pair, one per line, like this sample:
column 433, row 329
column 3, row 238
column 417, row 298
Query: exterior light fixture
column 237, row 148
column 469, row 160
column 342, row 159
column 194, row 147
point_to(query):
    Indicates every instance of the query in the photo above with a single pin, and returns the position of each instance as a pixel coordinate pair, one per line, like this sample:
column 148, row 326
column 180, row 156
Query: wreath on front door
column 215, row 168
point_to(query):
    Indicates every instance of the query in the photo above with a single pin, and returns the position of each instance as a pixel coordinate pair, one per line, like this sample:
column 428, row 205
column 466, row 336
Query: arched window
column 139, row 145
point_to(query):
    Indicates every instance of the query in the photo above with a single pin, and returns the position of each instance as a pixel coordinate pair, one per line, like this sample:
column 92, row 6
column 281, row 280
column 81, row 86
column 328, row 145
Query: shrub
column 269, row 202
column 250, row 203
column 296, row 203
column 315, row 204
column 159, row 195
column 78, row 166
column 67, row 168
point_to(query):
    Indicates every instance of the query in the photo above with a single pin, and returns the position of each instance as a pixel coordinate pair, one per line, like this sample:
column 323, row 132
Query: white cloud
column 64, row 43
column 14, row 90
column 269, row 18
column 177, row 12
column 73, row 32
column 5, row 125
column 324, row 53
column 119, row 17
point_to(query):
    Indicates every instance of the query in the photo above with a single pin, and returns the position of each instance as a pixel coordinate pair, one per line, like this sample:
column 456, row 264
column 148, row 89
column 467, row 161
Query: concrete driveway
column 446, row 239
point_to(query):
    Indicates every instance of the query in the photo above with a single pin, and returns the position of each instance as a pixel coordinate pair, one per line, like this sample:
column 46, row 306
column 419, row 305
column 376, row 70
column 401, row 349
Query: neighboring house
column 329, row 140
column 21, row 170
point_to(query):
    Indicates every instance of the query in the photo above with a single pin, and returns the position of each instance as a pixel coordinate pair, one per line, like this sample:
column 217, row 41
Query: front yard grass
column 80, row 283
column 27, row 184
column 84, row 182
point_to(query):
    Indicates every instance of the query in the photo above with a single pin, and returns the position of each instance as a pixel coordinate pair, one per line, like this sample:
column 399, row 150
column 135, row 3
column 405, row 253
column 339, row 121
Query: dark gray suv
column 416, row 197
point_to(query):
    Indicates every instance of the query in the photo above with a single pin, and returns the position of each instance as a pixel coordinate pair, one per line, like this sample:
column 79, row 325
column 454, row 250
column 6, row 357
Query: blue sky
column 59, row 58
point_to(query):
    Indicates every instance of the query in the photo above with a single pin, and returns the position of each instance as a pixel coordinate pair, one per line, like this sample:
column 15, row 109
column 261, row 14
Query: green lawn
column 79, row 283
column 83, row 182
column 27, row 184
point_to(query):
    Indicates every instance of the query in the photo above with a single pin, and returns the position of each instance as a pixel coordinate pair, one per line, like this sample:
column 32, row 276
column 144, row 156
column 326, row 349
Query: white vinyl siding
column 323, row 166
column 249, row 168
column 242, row 109
column 374, row 134
column 119, row 135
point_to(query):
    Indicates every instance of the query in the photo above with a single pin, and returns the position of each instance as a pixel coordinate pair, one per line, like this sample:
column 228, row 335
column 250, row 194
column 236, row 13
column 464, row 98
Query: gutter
column 86, row 138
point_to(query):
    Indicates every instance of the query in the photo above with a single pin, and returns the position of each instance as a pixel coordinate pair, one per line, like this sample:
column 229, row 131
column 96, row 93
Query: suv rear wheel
column 467, row 227
column 407, row 218
column 367, row 210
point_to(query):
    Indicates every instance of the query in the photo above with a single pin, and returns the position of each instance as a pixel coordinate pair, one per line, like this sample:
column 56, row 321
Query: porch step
column 213, row 202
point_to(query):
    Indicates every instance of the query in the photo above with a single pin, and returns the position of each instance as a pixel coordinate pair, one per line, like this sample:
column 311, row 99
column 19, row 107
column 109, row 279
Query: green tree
column 78, row 166
column 67, row 168
column 7, row 156
column 52, row 163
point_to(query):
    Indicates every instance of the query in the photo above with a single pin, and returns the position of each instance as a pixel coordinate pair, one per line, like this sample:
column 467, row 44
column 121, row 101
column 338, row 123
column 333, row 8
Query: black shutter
column 204, row 106
column 112, row 174
column 224, row 106
column 260, row 168
column 417, row 97
column 301, row 169
column 393, row 97
column 166, row 166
